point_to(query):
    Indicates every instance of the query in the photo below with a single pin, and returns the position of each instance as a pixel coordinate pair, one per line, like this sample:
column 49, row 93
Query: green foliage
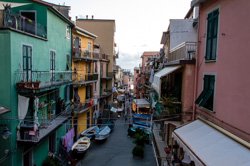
column 138, row 151
column 140, row 137
column 51, row 162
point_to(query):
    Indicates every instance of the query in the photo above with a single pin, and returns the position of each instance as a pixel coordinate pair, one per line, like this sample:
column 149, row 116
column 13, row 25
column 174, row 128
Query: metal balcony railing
column 82, row 107
column 104, row 57
column 85, row 78
column 42, row 79
column 32, row 132
column 184, row 51
column 21, row 23
column 84, row 54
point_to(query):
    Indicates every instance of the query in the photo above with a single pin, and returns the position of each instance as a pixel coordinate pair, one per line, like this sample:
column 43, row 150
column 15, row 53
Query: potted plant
column 138, row 151
column 36, row 84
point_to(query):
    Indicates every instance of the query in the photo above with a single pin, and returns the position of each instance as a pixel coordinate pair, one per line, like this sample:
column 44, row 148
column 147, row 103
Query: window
column 27, row 63
column 206, row 98
column 89, row 46
column 29, row 21
column 68, row 32
column 212, row 31
column 95, row 87
column 68, row 65
column 52, row 64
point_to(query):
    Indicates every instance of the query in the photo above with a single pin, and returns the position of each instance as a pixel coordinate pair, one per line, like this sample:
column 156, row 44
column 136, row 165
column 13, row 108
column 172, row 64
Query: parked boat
column 80, row 146
column 103, row 134
column 90, row 132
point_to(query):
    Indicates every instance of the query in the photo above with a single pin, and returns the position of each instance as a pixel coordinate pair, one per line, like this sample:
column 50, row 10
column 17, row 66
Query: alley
column 117, row 150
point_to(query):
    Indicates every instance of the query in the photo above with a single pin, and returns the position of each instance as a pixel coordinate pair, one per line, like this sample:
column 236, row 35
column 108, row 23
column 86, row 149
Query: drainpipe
column 196, row 68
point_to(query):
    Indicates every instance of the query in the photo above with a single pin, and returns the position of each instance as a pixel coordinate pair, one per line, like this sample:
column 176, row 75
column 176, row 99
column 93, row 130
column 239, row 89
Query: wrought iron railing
column 30, row 131
column 85, row 54
column 21, row 23
column 85, row 77
column 184, row 51
column 81, row 107
column 42, row 79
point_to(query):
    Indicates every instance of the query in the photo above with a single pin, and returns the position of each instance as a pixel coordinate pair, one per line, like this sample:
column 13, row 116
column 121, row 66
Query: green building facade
column 36, row 77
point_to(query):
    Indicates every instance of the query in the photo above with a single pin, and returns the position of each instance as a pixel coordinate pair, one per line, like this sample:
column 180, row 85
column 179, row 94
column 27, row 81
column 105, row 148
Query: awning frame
column 162, row 73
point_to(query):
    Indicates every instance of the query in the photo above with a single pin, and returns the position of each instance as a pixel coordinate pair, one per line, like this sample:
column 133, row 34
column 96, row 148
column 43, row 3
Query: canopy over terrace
column 141, row 106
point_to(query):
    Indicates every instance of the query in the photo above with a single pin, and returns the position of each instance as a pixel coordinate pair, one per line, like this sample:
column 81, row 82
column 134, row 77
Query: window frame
column 211, row 47
column 52, row 57
column 207, row 92
column 27, row 61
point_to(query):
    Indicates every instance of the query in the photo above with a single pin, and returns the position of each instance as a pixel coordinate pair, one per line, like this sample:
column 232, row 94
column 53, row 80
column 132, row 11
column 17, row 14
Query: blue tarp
column 142, row 119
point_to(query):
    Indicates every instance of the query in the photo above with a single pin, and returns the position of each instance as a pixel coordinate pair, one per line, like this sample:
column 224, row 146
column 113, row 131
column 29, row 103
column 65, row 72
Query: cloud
column 128, row 60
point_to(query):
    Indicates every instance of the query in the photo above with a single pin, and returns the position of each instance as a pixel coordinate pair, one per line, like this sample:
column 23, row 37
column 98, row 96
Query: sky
column 139, row 23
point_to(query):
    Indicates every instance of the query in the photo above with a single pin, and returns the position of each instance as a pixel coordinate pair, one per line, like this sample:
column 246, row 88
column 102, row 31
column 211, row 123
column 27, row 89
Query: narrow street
column 117, row 150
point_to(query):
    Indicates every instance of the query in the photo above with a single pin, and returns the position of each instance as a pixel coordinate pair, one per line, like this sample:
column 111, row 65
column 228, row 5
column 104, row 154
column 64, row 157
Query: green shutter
column 212, row 32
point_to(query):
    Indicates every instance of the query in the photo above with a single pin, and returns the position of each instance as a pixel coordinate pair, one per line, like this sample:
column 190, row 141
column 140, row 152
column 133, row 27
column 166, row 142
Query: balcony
column 104, row 57
column 84, row 79
column 106, row 93
column 82, row 107
column 184, row 52
column 84, row 55
column 108, row 76
column 22, row 24
column 30, row 132
column 41, row 80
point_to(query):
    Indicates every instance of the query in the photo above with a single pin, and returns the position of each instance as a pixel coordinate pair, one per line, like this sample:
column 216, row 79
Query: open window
column 206, row 97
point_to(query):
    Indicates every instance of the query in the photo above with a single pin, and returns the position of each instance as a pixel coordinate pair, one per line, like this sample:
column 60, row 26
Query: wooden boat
column 103, row 134
column 80, row 146
column 90, row 132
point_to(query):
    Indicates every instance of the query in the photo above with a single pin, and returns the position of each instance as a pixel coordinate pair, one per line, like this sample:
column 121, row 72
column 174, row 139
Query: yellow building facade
column 85, row 78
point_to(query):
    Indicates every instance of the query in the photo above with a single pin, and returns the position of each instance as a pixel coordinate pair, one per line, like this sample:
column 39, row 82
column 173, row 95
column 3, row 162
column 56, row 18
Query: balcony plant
column 36, row 84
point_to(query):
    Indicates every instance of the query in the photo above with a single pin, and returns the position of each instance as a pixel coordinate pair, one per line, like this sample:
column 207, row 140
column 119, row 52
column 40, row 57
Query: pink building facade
column 228, row 65
column 220, row 132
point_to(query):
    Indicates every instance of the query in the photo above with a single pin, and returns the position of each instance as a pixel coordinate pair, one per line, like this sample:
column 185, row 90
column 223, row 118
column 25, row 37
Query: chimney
column 86, row 16
column 92, row 17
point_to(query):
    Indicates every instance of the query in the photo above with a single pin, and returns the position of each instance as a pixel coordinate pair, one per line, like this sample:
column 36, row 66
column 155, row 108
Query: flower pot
column 36, row 85
column 20, row 85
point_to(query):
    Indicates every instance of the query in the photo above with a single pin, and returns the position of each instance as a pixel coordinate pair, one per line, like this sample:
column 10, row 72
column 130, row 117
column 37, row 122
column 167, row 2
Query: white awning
column 207, row 146
column 157, row 77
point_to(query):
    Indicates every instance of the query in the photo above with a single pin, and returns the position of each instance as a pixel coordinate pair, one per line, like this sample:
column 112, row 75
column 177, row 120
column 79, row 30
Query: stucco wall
column 181, row 30
column 231, row 69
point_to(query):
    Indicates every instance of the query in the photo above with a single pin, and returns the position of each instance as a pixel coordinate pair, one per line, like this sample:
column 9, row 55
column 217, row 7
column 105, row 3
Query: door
column 52, row 143
column 27, row 63
column 27, row 157
column 77, row 46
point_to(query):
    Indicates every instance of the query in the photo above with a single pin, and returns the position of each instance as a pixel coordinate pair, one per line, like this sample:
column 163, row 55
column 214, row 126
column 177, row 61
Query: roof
column 85, row 32
column 54, row 10
column 90, row 19
column 150, row 53
column 164, row 37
